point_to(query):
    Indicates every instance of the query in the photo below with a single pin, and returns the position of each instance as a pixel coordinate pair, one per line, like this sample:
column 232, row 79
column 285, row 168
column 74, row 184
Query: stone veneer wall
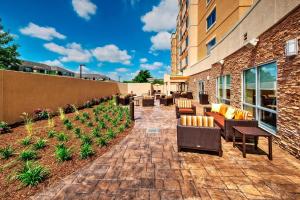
column 271, row 47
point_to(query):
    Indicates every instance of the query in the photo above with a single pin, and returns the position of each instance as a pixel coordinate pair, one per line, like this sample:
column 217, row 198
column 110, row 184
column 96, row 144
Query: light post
column 80, row 70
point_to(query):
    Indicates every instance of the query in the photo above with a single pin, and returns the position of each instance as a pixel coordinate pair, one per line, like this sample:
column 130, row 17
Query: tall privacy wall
column 24, row 92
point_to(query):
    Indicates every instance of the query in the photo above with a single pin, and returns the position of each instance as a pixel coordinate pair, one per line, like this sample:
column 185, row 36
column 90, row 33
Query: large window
column 223, row 89
column 210, row 45
column 211, row 19
column 260, row 85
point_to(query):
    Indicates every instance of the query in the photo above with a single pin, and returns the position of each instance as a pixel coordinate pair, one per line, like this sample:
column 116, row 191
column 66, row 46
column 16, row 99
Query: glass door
column 201, row 87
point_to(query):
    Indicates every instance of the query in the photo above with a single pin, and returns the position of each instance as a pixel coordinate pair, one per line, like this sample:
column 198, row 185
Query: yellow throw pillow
column 223, row 109
column 215, row 107
column 194, row 121
column 189, row 120
column 205, row 122
column 183, row 120
column 230, row 113
column 199, row 120
column 210, row 121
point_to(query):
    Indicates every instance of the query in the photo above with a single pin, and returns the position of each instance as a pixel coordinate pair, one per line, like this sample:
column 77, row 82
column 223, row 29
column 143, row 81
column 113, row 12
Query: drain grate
column 153, row 130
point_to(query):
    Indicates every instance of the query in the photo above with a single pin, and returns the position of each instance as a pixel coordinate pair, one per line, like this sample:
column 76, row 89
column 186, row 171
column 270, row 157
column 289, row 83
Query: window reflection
column 250, row 86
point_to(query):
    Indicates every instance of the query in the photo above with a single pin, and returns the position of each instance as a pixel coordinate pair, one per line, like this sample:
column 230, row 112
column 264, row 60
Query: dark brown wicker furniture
column 200, row 138
column 252, row 132
column 166, row 100
column 123, row 99
column 185, row 111
column 227, row 124
column 146, row 101
column 189, row 95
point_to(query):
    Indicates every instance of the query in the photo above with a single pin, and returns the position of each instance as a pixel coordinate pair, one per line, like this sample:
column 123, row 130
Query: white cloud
column 53, row 63
column 153, row 66
column 161, row 41
column 122, row 69
column 143, row 60
column 111, row 53
column 113, row 75
column 161, row 17
column 84, row 8
column 45, row 33
column 73, row 52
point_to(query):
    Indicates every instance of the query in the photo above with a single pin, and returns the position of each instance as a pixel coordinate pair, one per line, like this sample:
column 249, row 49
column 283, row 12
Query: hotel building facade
column 245, row 54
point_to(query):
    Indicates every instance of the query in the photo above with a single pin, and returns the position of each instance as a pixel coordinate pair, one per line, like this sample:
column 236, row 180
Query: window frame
column 222, row 98
column 209, row 52
column 257, row 107
column 210, row 13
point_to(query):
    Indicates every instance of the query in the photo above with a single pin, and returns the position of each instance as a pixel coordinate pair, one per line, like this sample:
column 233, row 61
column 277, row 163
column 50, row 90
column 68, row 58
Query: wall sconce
column 207, row 78
column 221, row 62
column 291, row 48
column 252, row 43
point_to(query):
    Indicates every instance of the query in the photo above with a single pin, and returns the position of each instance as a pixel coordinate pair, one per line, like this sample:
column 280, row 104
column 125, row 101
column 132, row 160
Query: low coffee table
column 252, row 132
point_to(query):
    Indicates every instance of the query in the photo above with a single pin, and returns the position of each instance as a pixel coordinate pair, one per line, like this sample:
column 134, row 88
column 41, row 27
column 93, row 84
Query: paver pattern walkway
column 146, row 165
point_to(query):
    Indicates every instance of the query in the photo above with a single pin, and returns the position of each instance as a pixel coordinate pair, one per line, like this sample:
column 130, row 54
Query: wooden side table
column 252, row 132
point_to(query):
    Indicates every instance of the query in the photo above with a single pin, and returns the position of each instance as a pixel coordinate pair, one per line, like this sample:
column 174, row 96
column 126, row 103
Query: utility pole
column 119, row 78
column 80, row 70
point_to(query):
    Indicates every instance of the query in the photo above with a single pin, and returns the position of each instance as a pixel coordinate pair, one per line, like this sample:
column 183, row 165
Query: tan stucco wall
column 24, row 92
column 122, row 88
column 139, row 88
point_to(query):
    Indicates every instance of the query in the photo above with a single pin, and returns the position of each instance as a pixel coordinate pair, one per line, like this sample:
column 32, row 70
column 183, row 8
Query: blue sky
column 112, row 37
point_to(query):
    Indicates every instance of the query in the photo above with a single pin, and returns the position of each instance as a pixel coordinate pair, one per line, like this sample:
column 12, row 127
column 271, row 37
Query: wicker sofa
column 226, row 124
column 200, row 138
column 147, row 101
column 184, row 107
column 166, row 100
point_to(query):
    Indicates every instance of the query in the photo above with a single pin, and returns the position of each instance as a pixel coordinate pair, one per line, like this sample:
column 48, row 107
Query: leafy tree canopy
column 8, row 50
column 142, row 77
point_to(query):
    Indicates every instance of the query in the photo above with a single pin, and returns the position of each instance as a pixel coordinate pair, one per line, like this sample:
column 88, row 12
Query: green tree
column 8, row 50
column 142, row 76
column 158, row 81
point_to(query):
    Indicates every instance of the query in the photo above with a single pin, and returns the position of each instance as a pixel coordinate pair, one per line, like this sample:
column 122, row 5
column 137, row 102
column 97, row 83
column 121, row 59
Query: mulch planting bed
column 12, row 188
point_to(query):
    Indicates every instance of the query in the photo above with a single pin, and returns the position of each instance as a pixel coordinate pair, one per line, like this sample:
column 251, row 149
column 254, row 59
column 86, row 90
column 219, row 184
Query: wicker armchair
column 184, row 107
column 200, row 138
column 148, row 101
column 166, row 100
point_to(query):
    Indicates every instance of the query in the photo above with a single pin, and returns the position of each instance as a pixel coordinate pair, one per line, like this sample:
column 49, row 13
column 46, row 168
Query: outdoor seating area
column 148, row 165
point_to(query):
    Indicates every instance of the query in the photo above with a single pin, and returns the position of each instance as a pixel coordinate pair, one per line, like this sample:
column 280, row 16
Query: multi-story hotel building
column 246, row 54
column 200, row 25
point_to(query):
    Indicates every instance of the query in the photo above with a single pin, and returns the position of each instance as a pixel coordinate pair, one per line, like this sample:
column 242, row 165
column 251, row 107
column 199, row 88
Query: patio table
column 252, row 132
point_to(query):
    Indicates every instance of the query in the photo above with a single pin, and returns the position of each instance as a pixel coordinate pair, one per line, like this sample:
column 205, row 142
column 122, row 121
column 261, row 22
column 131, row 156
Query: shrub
column 4, row 128
column 62, row 153
column 86, row 151
column 103, row 141
column 69, row 109
column 86, row 115
column 6, row 152
column 26, row 155
column 77, row 132
column 32, row 174
column 85, row 139
column 88, row 104
column 41, row 114
column 97, row 119
column 69, row 126
column 96, row 132
column 111, row 134
column 66, row 121
column 121, row 128
column 77, row 117
column 115, row 122
column 90, row 124
column 40, row 144
column 62, row 137
column 28, row 123
column 82, row 120
column 51, row 133
column 61, row 114
column 26, row 141
column 101, row 125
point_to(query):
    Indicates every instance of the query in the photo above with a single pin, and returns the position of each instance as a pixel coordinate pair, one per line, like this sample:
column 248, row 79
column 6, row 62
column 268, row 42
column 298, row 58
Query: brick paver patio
column 146, row 165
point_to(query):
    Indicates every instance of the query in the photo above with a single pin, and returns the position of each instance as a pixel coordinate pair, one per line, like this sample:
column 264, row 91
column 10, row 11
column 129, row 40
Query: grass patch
column 62, row 153
column 26, row 155
column 32, row 174
column 86, row 151
column 6, row 152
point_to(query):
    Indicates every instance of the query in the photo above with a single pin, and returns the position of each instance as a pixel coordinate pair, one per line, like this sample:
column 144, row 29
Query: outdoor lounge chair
column 185, row 107
column 226, row 124
column 198, row 136
column 148, row 101
column 166, row 100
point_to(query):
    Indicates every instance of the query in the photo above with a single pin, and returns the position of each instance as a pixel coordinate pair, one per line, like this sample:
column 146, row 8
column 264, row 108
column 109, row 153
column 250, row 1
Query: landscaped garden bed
column 40, row 153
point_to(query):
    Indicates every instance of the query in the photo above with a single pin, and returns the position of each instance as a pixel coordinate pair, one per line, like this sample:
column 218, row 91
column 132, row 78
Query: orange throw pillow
column 223, row 109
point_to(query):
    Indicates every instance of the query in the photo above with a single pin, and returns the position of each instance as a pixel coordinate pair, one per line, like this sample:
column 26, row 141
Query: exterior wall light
column 291, row 47
column 252, row 43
